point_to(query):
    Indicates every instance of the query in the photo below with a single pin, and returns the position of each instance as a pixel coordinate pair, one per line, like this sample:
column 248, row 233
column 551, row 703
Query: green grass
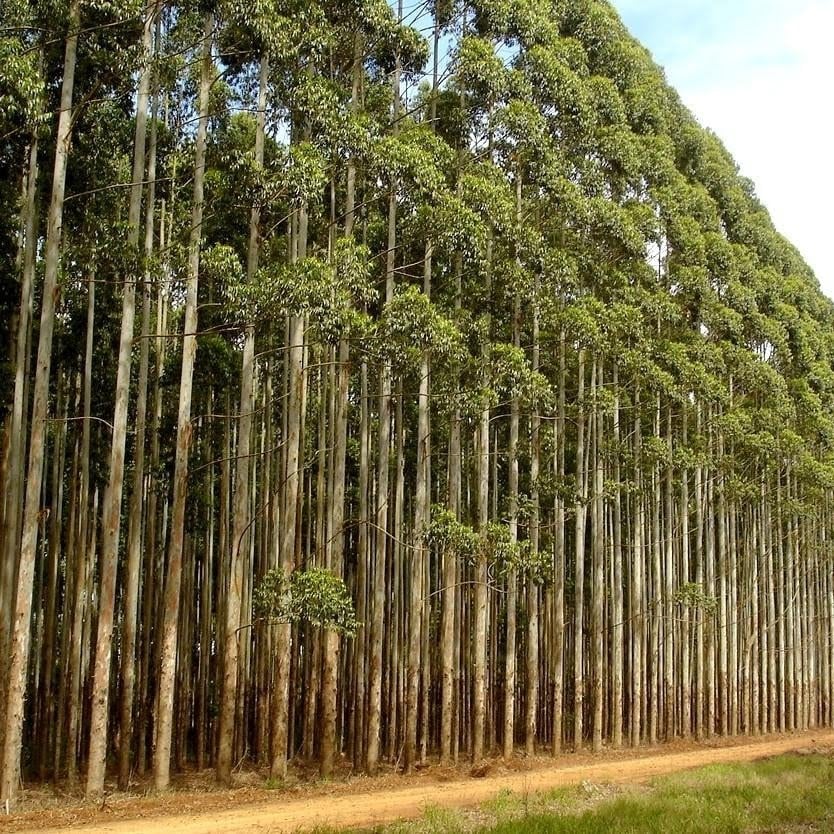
column 793, row 793
column 773, row 795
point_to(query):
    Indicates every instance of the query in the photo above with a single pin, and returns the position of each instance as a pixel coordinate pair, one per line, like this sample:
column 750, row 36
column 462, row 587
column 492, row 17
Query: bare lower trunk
column 241, row 521
column 13, row 484
column 173, row 578
column 559, row 568
column 112, row 509
column 21, row 625
column 579, row 562
column 134, row 536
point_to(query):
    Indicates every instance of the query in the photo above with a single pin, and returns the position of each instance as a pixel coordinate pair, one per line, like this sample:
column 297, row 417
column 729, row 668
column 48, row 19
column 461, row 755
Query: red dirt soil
column 363, row 802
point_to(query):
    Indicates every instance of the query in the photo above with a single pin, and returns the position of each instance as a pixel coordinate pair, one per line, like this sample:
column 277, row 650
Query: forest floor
column 362, row 802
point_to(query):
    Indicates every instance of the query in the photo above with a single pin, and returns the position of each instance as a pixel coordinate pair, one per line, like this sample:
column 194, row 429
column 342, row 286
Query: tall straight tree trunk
column 173, row 578
column 381, row 531
column 450, row 572
column 336, row 506
column 479, row 642
column 559, row 566
column 134, row 535
column 363, row 537
column 292, row 488
column 383, row 458
column 668, row 590
column 419, row 552
column 723, row 607
column 655, row 585
column 532, row 671
column 597, row 553
column 636, row 604
column 686, row 627
column 280, row 706
column 13, row 484
column 617, row 652
column 422, row 503
column 512, row 576
column 580, row 506
column 481, row 595
column 336, row 509
column 151, row 569
column 336, row 542
column 709, row 578
column 112, row 509
column 75, row 569
column 241, row 520
column 49, row 585
column 700, row 644
column 21, row 624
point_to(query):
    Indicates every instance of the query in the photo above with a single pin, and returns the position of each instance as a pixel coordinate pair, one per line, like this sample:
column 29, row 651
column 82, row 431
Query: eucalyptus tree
column 510, row 406
column 112, row 505
column 21, row 623
column 173, row 575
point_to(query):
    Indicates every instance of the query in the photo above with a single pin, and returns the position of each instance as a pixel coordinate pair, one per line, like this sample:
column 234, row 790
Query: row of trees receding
column 391, row 383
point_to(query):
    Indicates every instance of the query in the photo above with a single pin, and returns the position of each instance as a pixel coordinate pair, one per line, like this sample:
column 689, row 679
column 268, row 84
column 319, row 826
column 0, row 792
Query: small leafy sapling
column 692, row 595
column 314, row 596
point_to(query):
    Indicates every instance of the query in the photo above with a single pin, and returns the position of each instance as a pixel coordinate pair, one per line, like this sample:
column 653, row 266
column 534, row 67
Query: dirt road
column 347, row 810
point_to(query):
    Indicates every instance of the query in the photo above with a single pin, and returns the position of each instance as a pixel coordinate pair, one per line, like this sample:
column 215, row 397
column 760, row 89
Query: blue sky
column 760, row 73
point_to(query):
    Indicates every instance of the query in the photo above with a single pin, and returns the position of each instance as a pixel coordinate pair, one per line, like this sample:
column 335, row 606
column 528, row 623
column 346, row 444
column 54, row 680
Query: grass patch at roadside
column 787, row 793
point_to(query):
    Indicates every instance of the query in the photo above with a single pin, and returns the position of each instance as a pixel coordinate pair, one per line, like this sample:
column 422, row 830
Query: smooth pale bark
column 559, row 566
column 357, row 664
column 134, row 536
column 241, row 514
column 617, row 630
column 722, row 561
column 364, row 570
column 709, row 578
column 335, row 561
column 686, row 629
column 532, row 672
column 655, row 583
column 419, row 552
column 772, row 584
column 151, row 570
column 112, row 505
column 512, row 576
column 699, row 579
column 636, row 604
column 381, row 531
column 77, row 559
column 597, row 551
column 336, row 541
column 383, row 458
column 13, row 482
column 49, row 591
column 668, row 590
column 479, row 705
column 82, row 612
column 510, row 660
column 450, row 573
column 291, row 495
column 481, row 595
column 173, row 577
column 280, row 706
column 419, row 668
column 580, row 509
column 201, row 706
column 21, row 623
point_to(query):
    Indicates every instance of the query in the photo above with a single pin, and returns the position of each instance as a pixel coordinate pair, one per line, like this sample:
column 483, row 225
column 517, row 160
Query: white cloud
column 761, row 75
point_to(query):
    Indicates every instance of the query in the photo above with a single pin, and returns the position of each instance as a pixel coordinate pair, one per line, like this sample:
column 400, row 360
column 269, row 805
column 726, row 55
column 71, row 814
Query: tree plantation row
column 389, row 384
